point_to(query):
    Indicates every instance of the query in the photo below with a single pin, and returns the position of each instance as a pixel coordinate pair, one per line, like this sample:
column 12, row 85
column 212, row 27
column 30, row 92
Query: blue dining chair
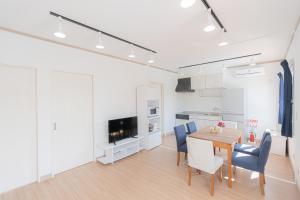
column 249, row 149
column 255, row 163
column 180, row 134
column 191, row 127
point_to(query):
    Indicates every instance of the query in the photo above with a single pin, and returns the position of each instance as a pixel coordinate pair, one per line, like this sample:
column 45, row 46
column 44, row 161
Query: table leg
column 229, row 154
column 240, row 140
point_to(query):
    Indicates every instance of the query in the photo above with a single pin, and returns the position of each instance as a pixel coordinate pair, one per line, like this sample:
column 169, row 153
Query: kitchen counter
column 221, row 113
column 200, row 113
column 204, row 119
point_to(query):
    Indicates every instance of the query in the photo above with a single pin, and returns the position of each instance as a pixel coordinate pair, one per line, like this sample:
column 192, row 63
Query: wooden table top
column 228, row 135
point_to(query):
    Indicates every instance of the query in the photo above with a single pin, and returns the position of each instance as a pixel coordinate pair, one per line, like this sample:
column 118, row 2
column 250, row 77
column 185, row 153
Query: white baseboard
column 45, row 177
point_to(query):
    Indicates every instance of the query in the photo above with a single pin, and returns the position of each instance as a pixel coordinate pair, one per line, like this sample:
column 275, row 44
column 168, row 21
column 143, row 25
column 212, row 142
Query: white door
column 18, row 143
column 72, row 120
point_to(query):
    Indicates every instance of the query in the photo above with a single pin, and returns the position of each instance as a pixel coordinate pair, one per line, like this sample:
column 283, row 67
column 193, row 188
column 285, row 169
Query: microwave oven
column 153, row 111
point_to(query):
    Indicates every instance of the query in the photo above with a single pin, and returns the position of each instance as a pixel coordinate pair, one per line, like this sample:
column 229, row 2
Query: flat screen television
column 119, row 129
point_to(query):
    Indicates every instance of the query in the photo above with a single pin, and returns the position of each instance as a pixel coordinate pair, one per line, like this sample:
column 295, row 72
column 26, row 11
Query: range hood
column 184, row 85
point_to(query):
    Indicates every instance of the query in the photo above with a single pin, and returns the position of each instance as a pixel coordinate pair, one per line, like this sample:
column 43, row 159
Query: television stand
column 121, row 149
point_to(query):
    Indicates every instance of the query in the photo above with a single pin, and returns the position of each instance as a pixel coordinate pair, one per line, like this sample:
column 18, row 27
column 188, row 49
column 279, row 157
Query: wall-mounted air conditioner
column 250, row 72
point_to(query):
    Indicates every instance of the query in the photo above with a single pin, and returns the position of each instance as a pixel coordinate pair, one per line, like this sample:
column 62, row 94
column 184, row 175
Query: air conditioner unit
column 250, row 72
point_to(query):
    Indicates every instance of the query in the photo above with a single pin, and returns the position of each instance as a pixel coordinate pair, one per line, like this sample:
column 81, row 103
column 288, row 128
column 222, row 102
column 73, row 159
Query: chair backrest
column 180, row 134
column 201, row 154
column 191, row 127
column 264, row 153
column 230, row 124
column 263, row 138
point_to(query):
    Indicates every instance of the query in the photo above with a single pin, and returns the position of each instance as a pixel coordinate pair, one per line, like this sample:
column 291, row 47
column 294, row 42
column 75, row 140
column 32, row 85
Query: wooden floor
column 154, row 175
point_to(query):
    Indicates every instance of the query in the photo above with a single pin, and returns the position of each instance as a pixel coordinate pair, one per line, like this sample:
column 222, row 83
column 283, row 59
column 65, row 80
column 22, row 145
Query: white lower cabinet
column 154, row 140
column 201, row 121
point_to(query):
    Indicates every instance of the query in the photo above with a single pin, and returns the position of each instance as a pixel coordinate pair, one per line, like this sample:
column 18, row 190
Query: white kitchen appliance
column 250, row 72
column 153, row 108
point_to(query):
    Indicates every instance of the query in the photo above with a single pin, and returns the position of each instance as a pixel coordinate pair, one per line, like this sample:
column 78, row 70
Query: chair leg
column 178, row 158
column 185, row 155
column 234, row 170
column 221, row 173
column 219, row 149
column 212, row 184
column 189, row 175
column 261, row 183
column 264, row 179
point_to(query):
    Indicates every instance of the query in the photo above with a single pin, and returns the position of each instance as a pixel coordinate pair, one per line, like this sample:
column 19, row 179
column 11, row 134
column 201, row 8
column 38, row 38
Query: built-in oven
column 153, row 108
column 153, row 111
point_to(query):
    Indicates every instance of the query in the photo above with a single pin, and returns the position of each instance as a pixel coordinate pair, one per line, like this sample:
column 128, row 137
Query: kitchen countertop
column 221, row 113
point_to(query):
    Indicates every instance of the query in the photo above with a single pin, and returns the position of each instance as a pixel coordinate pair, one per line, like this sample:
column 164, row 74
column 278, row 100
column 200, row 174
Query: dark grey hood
column 184, row 85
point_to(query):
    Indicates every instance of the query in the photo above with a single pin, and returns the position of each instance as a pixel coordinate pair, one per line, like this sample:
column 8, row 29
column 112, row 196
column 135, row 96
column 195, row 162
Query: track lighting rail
column 222, row 60
column 206, row 4
column 97, row 30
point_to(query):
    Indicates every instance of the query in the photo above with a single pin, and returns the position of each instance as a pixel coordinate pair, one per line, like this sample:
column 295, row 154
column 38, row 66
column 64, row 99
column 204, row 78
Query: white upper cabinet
column 198, row 82
column 207, row 81
column 214, row 81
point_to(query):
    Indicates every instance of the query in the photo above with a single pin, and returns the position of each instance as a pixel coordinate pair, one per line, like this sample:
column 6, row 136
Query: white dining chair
column 201, row 157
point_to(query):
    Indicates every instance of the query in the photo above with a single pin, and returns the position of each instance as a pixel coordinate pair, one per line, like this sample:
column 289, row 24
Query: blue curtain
column 286, row 129
column 281, row 98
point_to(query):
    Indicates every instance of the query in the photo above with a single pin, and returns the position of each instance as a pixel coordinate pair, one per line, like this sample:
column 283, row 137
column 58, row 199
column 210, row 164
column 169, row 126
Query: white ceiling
column 254, row 26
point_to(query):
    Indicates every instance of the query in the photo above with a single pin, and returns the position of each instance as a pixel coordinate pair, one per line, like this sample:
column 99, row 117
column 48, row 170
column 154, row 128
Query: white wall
column 262, row 95
column 115, row 85
column 294, row 143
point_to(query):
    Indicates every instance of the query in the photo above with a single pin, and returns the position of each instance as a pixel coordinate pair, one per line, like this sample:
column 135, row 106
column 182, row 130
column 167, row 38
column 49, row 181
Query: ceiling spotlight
column 210, row 24
column 100, row 42
column 187, row 3
column 151, row 60
column 252, row 62
column 59, row 33
column 221, row 44
column 223, row 40
column 131, row 55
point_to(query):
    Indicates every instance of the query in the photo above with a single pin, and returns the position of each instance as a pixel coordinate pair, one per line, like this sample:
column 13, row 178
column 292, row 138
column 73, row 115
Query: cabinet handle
column 54, row 126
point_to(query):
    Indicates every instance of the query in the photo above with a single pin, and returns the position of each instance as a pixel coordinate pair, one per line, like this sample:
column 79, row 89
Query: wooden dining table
column 224, row 139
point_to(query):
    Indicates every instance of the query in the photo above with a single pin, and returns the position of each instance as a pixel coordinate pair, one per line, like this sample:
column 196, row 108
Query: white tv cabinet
column 122, row 149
